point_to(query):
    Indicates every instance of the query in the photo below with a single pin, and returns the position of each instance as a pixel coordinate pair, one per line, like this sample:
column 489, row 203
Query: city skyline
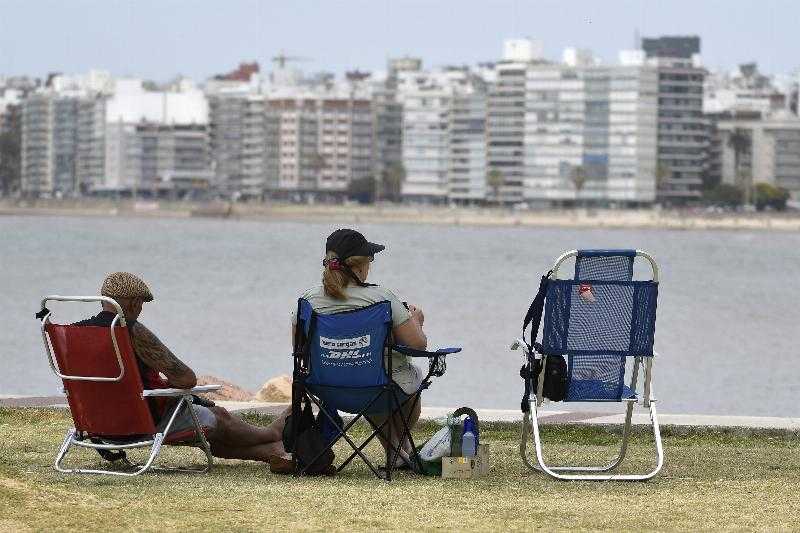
column 170, row 39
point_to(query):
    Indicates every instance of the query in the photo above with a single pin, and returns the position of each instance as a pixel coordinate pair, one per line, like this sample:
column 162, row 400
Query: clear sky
column 160, row 39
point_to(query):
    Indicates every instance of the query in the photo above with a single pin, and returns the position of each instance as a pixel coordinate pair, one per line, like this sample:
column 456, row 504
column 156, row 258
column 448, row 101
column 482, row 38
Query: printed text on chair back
column 346, row 349
column 598, row 319
column 108, row 408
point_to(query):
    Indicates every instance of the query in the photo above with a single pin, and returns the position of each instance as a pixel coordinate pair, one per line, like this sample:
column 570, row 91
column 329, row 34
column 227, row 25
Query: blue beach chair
column 339, row 365
column 599, row 319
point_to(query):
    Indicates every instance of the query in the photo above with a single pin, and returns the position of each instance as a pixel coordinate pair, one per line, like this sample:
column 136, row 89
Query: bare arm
column 154, row 354
column 410, row 334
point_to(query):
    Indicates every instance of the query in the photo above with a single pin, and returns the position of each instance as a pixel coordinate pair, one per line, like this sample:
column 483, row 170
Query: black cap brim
column 371, row 249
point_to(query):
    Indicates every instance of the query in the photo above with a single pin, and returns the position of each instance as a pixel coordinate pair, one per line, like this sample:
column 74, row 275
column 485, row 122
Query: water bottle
column 469, row 442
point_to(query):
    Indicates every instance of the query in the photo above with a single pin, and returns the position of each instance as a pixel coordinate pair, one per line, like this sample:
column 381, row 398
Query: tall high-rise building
column 90, row 156
column 49, row 144
column 37, row 145
column 444, row 134
column 505, row 130
column 427, row 100
column 467, row 179
column 326, row 140
column 590, row 133
column 388, row 117
column 505, row 118
column 683, row 47
column 683, row 130
column 241, row 133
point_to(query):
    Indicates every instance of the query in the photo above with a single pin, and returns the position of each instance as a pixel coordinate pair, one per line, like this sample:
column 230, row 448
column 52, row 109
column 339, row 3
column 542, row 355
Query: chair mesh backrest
column 346, row 349
column 594, row 265
column 108, row 408
column 598, row 319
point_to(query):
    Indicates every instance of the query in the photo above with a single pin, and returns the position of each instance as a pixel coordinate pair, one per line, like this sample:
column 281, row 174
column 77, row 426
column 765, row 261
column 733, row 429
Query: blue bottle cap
column 469, row 425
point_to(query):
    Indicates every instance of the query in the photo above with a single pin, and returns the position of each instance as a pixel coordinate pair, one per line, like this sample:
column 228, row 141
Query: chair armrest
column 150, row 393
column 411, row 352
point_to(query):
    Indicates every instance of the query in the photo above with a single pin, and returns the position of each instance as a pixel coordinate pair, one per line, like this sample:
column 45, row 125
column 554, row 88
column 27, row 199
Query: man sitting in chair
column 229, row 436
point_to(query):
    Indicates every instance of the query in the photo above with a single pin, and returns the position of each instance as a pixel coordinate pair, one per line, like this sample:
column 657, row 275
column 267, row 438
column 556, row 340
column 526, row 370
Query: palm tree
column 495, row 181
column 318, row 162
column 663, row 174
column 739, row 140
column 578, row 177
column 393, row 178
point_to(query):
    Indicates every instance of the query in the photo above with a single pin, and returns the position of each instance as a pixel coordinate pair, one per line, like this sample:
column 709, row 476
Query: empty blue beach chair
column 600, row 319
column 339, row 365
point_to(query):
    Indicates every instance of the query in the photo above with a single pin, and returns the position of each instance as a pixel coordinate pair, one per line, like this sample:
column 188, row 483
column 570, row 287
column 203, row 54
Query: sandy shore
column 573, row 218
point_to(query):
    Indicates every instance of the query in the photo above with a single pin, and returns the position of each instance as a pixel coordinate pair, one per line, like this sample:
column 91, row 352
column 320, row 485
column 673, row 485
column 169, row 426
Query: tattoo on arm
column 154, row 354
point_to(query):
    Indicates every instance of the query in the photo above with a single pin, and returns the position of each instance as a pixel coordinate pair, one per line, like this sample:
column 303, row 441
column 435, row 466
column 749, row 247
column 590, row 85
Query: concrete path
column 549, row 415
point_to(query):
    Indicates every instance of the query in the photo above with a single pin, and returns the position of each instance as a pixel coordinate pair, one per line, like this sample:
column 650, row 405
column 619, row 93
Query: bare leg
column 261, row 452
column 392, row 431
column 236, row 438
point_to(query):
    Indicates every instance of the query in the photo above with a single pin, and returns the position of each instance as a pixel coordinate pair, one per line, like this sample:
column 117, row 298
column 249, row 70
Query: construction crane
column 281, row 59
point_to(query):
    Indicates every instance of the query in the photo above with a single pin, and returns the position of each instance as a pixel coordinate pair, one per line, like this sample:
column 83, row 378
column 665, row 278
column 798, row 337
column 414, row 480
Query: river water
column 728, row 312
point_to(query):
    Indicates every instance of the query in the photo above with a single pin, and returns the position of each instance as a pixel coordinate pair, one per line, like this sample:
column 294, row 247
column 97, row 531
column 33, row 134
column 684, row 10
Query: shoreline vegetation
column 670, row 219
column 711, row 481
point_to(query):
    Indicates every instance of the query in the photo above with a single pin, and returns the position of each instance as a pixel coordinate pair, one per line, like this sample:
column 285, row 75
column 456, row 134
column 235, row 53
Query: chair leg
column 155, row 449
column 375, row 431
column 201, row 438
column 204, row 445
column 530, row 422
column 343, row 434
column 414, row 458
column 391, row 454
column 62, row 452
column 69, row 441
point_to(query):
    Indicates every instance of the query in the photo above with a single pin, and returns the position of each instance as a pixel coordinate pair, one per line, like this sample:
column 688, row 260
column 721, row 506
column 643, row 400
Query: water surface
column 728, row 309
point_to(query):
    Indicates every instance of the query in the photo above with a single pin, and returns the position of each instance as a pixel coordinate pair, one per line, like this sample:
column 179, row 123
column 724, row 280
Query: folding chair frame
column 436, row 367
column 391, row 456
column 76, row 438
column 530, row 423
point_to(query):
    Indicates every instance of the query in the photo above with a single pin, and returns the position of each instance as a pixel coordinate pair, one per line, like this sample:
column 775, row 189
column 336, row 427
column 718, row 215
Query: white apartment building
column 50, row 140
column 505, row 130
column 590, row 132
column 243, row 138
column 771, row 156
column 387, row 112
column 325, row 138
column 745, row 90
column 138, row 120
column 86, row 132
column 37, row 159
column 426, row 98
column 444, row 134
column 467, row 180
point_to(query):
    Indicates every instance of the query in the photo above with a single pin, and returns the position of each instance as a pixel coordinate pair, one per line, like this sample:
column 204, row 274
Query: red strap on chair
column 101, row 408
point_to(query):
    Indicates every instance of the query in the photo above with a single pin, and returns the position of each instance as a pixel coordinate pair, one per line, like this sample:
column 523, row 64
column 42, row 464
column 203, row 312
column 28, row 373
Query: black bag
column 310, row 442
column 556, row 377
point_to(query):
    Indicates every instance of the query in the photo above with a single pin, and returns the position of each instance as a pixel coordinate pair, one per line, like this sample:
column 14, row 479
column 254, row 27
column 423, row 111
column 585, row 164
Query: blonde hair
column 335, row 281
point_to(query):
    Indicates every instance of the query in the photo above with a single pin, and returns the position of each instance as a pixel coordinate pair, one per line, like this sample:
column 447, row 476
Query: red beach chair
column 108, row 403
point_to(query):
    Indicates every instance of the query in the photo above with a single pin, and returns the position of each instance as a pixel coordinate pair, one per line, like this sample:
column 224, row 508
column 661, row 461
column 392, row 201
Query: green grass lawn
column 711, row 480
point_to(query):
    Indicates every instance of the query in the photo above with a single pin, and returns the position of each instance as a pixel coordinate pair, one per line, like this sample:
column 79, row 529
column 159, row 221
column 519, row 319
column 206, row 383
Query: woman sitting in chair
column 344, row 287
